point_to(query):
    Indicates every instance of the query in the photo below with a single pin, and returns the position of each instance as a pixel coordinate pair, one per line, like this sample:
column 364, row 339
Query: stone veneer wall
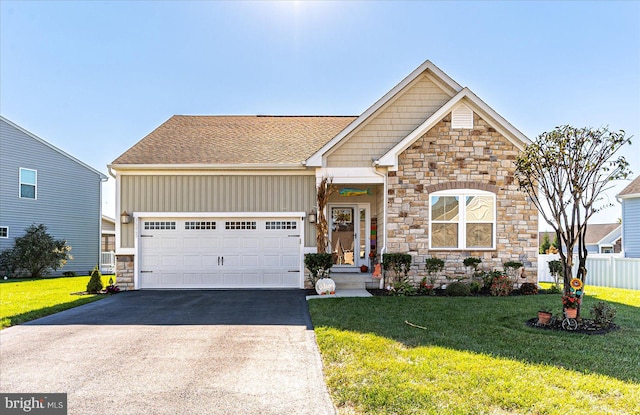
column 441, row 159
column 124, row 272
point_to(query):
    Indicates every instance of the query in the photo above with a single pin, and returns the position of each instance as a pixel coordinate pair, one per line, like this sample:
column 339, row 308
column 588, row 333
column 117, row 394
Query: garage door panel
column 250, row 260
column 209, row 260
column 168, row 242
column 273, row 242
column 250, row 243
column 290, row 261
column 232, row 242
column 207, row 253
column 192, row 261
column 290, row 243
column 271, row 260
column 191, row 242
column 272, row 279
column 171, row 260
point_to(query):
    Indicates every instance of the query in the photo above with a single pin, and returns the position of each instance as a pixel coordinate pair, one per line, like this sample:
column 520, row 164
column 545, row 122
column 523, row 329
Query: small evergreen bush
column 458, row 289
column 95, row 282
column 69, row 273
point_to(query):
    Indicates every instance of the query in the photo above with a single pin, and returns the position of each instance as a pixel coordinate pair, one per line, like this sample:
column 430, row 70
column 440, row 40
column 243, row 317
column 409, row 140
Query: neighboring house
column 601, row 238
column 108, row 239
column 40, row 183
column 230, row 201
column 108, row 245
column 630, row 200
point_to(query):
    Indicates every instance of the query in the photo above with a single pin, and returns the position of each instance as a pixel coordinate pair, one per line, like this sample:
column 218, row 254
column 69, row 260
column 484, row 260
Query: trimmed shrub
column 603, row 314
column 95, row 282
column 69, row 274
column 501, row 285
column 458, row 289
column 318, row 266
column 528, row 288
column 475, row 287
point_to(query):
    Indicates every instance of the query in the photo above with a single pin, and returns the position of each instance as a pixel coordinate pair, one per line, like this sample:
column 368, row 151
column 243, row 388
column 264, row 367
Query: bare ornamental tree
column 565, row 172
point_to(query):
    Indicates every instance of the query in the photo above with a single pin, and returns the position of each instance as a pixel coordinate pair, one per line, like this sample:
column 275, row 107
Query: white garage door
column 219, row 253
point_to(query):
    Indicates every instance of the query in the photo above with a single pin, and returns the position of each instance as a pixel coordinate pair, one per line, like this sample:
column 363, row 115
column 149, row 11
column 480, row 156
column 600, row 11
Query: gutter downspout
column 384, row 215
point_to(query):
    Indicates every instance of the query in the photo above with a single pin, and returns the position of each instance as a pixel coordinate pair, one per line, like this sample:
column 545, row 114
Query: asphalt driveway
column 173, row 352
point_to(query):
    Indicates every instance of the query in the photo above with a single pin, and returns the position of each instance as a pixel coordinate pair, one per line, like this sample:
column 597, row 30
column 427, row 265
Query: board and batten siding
column 68, row 197
column 390, row 124
column 631, row 227
column 216, row 193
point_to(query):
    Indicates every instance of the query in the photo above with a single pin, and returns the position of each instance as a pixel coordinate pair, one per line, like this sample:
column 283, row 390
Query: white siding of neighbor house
column 108, row 226
column 390, row 124
column 631, row 227
column 216, row 193
column 68, row 197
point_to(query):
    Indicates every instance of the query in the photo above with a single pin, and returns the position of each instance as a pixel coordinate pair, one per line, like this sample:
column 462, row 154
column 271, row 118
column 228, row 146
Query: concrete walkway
column 173, row 352
column 342, row 293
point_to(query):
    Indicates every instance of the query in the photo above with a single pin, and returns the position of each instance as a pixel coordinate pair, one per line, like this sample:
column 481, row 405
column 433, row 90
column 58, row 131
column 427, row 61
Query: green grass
column 22, row 300
column 476, row 356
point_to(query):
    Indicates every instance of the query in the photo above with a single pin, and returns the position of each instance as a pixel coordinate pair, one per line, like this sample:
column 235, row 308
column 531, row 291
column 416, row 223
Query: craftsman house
column 230, row 201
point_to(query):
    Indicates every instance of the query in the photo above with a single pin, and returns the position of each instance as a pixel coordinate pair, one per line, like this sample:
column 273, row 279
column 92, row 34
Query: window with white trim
column 4, row 231
column 462, row 219
column 28, row 183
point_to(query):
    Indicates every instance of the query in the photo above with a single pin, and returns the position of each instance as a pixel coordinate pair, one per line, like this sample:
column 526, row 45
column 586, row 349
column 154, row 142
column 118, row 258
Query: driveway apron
column 173, row 352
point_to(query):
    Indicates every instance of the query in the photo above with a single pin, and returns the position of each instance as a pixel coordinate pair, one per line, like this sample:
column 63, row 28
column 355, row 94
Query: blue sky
column 93, row 78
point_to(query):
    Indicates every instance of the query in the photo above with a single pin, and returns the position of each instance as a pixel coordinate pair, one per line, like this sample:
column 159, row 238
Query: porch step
column 352, row 281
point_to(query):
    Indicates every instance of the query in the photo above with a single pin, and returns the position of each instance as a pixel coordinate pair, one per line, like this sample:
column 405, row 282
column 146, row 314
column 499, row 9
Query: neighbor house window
column 4, row 231
column 462, row 219
column 28, row 183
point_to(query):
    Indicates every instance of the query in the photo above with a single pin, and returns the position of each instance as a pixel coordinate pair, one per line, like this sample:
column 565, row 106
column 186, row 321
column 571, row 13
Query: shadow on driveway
column 190, row 307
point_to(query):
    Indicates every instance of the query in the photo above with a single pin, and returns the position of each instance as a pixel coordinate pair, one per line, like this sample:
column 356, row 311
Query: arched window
column 462, row 219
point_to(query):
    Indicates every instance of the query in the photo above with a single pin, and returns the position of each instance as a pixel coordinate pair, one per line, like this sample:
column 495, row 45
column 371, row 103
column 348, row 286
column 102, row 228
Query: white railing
column 108, row 262
column 604, row 270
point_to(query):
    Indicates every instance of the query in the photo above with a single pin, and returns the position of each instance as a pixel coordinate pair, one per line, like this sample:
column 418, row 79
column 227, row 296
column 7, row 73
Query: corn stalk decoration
column 325, row 190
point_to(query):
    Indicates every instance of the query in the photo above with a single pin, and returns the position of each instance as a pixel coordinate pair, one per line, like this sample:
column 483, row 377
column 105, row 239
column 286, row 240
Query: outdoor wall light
column 125, row 218
column 313, row 216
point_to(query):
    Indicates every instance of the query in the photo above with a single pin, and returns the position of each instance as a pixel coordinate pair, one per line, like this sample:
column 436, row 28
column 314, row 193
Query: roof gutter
column 261, row 166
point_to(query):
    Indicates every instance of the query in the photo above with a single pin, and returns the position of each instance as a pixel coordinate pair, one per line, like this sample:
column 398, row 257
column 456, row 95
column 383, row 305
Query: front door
column 349, row 234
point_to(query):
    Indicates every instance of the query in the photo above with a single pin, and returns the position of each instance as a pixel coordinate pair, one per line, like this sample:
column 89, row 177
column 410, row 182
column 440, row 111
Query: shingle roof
column 632, row 189
column 595, row 232
column 186, row 139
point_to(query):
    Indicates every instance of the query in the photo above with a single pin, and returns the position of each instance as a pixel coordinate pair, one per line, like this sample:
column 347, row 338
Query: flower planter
column 571, row 312
column 544, row 318
column 364, row 268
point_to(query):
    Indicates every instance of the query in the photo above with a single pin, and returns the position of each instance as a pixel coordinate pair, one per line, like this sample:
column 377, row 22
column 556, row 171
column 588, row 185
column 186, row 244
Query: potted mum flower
column 570, row 304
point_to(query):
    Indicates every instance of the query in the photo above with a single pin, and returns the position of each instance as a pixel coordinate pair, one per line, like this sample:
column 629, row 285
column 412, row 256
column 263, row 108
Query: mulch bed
column 585, row 326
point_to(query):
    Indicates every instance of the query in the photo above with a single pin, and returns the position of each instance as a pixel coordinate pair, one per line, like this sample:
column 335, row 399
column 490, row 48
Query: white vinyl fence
column 108, row 262
column 604, row 270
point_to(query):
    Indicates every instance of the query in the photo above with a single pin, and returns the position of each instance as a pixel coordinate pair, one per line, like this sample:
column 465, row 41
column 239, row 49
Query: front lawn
column 475, row 356
column 23, row 300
